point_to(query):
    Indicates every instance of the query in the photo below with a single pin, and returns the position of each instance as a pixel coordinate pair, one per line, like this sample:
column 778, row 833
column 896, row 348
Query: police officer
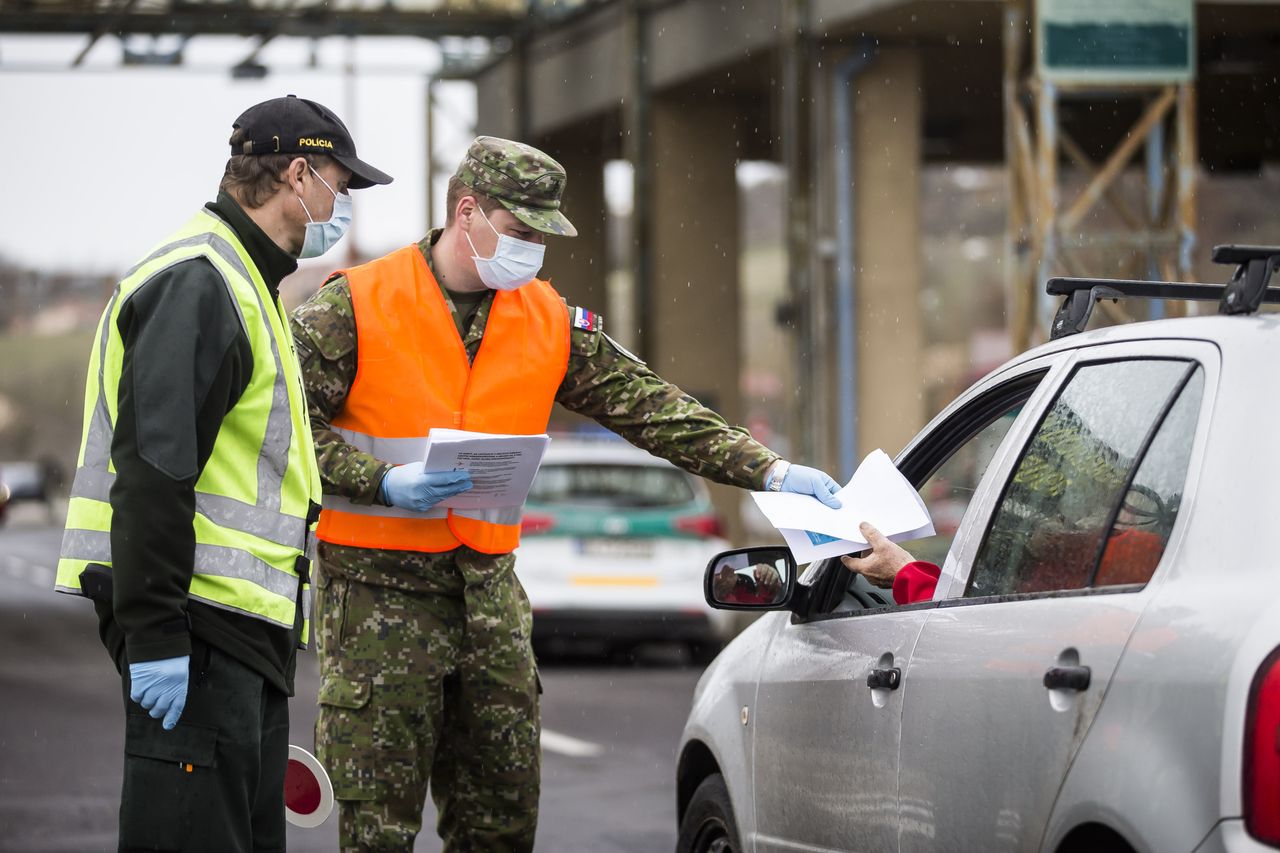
column 426, row 664
column 196, row 488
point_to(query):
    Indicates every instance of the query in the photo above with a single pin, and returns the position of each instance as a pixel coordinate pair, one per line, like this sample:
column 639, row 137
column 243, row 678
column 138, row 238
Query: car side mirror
column 751, row 579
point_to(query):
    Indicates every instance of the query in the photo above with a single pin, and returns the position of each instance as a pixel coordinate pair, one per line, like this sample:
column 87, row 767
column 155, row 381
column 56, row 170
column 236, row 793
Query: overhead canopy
column 424, row 18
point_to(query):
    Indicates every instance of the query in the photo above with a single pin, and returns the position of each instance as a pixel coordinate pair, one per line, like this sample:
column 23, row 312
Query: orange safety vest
column 413, row 375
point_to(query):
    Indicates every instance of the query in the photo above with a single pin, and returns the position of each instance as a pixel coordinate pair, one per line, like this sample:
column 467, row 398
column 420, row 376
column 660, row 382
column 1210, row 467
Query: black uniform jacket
column 187, row 361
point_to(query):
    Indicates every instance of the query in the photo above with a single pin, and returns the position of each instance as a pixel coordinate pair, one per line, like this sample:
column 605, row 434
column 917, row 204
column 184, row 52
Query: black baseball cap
column 293, row 125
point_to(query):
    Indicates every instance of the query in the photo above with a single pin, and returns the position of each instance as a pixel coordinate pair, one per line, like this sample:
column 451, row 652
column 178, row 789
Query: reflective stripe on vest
column 414, row 375
column 261, row 520
column 249, row 535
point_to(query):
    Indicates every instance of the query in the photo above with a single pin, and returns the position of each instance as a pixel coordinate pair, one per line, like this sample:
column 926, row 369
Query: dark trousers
column 216, row 781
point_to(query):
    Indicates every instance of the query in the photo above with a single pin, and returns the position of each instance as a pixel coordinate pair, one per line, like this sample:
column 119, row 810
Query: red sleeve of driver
column 915, row 582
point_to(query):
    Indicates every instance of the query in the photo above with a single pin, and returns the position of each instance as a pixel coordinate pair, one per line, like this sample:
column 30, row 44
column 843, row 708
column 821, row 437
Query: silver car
column 1099, row 666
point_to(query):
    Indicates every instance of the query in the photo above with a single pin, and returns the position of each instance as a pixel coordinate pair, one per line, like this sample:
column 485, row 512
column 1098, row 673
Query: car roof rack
column 1243, row 294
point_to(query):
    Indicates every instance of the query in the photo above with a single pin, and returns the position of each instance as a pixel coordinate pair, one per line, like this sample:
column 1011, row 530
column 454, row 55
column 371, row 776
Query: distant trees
column 65, row 300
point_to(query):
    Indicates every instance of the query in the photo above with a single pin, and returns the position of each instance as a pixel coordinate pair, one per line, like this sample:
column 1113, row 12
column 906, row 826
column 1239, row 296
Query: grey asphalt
column 61, row 730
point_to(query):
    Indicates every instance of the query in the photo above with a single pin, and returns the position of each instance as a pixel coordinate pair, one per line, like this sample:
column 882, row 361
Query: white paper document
column 877, row 493
column 502, row 467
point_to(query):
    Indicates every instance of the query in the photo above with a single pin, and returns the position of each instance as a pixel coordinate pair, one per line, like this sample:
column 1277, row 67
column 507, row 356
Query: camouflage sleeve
column 606, row 383
column 324, row 334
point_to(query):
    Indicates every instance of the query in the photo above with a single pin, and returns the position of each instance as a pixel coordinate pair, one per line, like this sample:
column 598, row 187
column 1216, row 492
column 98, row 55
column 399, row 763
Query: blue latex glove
column 410, row 487
column 160, row 686
column 810, row 481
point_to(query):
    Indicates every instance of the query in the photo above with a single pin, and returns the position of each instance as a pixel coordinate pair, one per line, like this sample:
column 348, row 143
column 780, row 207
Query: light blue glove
column 810, row 481
column 409, row 487
column 160, row 686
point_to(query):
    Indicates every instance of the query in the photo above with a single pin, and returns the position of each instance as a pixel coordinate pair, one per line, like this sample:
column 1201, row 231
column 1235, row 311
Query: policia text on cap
column 423, row 628
column 197, row 487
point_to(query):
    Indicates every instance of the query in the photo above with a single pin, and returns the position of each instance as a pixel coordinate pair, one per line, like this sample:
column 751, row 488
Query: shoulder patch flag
column 587, row 321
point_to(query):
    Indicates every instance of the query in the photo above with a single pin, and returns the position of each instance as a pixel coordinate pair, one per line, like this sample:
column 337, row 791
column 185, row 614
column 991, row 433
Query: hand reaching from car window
column 884, row 561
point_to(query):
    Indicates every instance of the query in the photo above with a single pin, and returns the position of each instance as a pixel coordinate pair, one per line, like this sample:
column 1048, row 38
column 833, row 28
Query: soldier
column 427, row 668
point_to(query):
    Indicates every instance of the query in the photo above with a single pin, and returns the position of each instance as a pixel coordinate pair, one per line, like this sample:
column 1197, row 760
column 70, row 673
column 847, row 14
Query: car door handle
column 1067, row 678
column 884, row 679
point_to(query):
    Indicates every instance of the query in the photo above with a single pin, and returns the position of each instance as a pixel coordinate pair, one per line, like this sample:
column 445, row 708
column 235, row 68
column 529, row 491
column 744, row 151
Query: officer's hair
column 457, row 189
column 252, row 179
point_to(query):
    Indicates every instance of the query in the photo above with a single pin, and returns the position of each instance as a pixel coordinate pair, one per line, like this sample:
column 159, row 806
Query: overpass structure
column 499, row 21
column 854, row 99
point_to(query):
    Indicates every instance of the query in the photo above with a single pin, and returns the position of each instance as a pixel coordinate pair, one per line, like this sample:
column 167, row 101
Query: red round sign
column 308, row 794
column 301, row 789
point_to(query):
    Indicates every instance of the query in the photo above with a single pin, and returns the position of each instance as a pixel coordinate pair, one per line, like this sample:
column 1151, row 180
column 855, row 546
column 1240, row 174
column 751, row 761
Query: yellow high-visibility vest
column 255, row 497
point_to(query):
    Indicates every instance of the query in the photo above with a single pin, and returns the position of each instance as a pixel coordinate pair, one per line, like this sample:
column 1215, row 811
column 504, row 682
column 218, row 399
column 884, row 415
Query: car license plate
column 613, row 580
column 616, row 548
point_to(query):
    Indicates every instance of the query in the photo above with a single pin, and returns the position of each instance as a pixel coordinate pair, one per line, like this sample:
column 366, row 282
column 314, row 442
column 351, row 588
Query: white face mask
column 321, row 236
column 514, row 262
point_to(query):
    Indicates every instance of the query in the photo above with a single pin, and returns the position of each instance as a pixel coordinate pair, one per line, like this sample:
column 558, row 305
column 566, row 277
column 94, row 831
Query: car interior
column 1103, row 528
column 946, row 469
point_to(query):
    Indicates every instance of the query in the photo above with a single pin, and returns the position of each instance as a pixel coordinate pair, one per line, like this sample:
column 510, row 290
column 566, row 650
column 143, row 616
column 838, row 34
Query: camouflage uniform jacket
column 602, row 382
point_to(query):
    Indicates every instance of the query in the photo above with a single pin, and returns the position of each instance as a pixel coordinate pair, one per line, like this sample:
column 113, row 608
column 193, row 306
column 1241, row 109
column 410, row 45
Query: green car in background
column 614, row 542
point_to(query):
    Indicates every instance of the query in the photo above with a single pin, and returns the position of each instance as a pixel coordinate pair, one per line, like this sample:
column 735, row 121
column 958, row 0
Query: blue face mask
column 321, row 236
column 514, row 262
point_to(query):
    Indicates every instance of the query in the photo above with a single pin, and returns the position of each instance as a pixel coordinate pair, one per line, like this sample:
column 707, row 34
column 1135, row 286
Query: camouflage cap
column 527, row 182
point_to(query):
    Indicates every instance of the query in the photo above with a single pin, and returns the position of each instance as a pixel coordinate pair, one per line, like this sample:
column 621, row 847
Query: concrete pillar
column 888, row 131
column 578, row 266
column 691, row 329
column 498, row 99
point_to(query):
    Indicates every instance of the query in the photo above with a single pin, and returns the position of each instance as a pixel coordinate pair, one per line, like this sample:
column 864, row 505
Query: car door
column 1012, row 666
column 825, row 740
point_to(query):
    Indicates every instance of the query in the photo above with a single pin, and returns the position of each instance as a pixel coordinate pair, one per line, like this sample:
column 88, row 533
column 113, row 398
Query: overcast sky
column 102, row 162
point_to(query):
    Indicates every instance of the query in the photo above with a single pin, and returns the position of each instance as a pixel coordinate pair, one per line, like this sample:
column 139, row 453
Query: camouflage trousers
column 435, row 687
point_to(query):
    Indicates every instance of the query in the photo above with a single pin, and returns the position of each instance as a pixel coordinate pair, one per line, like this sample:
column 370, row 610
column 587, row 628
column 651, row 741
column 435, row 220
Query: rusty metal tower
column 1078, row 212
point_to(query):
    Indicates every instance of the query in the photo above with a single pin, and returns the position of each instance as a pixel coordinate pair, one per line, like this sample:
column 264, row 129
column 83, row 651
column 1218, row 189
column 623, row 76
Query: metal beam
column 1158, row 239
column 1119, row 159
column 842, row 90
column 794, row 56
column 107, row 25
column 1021, row 182
column 430, row 110
column 1086, row 165
column 199, row 19
column 1188, row 162
column 252, row 59
column 637, row 149
column 1046, row 209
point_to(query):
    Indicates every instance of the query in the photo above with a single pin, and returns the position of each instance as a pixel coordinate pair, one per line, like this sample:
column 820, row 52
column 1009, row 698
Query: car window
column 612, row 486
column 952, row 461
column 1072, row 485
column 1144, row 519
column 947, row 493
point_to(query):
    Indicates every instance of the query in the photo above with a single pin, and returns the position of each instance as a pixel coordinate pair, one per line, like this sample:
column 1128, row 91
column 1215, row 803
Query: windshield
column 615, row 486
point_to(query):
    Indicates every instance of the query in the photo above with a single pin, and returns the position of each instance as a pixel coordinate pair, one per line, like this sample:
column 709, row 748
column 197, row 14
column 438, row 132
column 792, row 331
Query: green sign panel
column 1115, row 41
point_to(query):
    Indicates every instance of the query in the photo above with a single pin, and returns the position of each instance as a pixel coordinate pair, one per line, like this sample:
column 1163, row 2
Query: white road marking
column 570, row 746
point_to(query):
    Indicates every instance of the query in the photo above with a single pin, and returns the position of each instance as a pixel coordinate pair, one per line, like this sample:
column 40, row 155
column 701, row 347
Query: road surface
column 610, row 732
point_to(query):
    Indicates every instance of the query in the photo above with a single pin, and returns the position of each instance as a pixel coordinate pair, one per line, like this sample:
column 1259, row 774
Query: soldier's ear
column 463, row 212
